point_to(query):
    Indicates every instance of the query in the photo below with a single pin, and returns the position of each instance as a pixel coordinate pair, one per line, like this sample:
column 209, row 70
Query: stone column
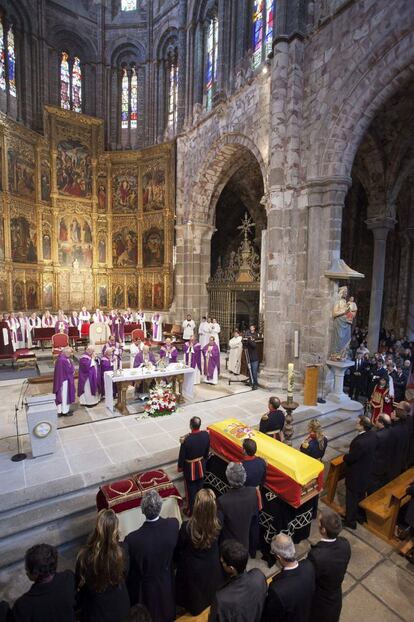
column 182, row 56
column 380, row 226
column 410, row 310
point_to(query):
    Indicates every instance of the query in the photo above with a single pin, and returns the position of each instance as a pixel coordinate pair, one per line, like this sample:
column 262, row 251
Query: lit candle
column 291, row 378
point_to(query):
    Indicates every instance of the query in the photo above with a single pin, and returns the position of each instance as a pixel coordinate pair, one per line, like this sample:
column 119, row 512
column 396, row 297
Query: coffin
column 291, row 475
column 127, row 493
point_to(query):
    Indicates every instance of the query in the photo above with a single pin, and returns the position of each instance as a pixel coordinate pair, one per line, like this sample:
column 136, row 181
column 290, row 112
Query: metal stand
column 249, row 379
column 289, row 406
column 20, row 455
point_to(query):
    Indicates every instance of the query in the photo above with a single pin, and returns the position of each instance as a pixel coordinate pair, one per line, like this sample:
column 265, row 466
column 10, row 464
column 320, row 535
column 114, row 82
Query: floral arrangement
column 162, row 401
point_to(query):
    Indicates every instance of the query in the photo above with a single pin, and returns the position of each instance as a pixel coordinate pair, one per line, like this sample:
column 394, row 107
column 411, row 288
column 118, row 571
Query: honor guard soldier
column 273, row 421
column 194, row 451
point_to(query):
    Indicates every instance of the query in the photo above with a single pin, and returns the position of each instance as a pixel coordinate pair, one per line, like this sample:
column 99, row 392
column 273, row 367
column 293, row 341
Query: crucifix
column 246, row 225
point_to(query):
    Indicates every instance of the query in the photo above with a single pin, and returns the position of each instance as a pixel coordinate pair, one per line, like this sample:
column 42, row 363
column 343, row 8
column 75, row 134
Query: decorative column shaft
column 380, row 228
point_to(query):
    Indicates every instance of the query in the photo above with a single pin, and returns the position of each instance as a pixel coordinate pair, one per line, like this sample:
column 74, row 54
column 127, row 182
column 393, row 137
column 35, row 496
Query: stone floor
column 379, row 584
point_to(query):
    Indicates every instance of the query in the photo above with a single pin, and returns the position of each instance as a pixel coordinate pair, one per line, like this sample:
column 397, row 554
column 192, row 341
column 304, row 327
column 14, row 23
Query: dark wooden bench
column 383, row 506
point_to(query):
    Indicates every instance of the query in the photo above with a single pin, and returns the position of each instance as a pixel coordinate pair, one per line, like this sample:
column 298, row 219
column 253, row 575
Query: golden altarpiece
column 82, row 226
column 234, row 280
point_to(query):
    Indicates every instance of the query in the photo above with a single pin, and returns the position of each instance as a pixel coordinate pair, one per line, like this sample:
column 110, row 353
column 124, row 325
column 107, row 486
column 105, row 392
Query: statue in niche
column 343, row 314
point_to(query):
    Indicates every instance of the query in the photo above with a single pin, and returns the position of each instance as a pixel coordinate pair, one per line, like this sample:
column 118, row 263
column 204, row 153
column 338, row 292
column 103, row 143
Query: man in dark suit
column 358, row 470
column 383, row 454
column 400, row 381
column 255, row 467
column 273, row 421
column 357, row 377
column 150, row 579
column 242, row 598
column 291, row 592
column 400, row 435
column 238, row 507
column 52, row 597
column 330, row 558
column 192, row 460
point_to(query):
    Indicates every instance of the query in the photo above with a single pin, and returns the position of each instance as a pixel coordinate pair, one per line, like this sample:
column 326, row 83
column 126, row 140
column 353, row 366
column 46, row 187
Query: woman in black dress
column 101, row 568
column 314, row 446
column 199, row 572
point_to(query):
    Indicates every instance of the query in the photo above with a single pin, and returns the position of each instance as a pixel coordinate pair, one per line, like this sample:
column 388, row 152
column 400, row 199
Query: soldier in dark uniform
column 194, row 451
column 255, row 467
column 273, row 421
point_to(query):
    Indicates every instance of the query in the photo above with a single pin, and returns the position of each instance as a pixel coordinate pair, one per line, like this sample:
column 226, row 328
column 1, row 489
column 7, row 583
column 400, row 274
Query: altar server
column 47, row 320
column 235, row 353
column 84, row 315
column 211, row 354
column 88, row 385
column 64, row 382
column 144, row 358
column 273, row 421
column 32, row 322
column 156, row 322
column 192, row 357
column 215, row 330
column 188, row 327
column 194, row 451
column 136, row 346
column 169, row 352
column 204, row 331
column 62, row 324
column 98, row 316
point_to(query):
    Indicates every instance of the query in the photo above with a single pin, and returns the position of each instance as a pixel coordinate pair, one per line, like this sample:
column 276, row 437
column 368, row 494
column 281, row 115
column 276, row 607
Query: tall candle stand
column 289, row 407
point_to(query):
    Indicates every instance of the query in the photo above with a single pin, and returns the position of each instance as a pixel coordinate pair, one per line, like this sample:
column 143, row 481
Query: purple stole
column 170, row 354
column 192, row 355
column 105, row 365
column 87, row 372
column 139, row 359
column 48, row 321
column 62, row 324
column 211, row 360
column 76, row 322
column 19, row 330
column 117, row 327
column 99, row 318
column 64, row 370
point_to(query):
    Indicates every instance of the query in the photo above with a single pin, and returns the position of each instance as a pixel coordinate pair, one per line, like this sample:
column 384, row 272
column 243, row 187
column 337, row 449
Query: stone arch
column 125, row 50
column 352, row 114
column 224, row 157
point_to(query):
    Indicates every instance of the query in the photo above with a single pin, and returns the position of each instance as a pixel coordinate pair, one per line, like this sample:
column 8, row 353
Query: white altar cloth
column 137, row 374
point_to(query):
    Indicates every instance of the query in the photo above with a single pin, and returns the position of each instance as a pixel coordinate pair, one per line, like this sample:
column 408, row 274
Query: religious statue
column 343, row 315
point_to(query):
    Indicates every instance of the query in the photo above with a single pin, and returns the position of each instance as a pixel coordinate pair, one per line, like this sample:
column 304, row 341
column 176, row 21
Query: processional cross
column 246, row 224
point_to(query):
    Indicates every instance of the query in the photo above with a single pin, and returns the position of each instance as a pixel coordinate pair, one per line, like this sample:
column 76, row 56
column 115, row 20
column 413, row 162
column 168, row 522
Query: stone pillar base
column 273, row 379
column 338, row 368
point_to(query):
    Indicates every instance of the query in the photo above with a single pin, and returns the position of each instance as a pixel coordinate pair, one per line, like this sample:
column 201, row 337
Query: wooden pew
column 335, row 474
column 383, row 506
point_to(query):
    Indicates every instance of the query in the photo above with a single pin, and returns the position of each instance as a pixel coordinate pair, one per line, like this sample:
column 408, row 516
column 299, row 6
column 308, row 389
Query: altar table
column 184, row 376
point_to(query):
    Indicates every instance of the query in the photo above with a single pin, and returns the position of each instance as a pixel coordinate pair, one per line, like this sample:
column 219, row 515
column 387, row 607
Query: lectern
column 41, row 412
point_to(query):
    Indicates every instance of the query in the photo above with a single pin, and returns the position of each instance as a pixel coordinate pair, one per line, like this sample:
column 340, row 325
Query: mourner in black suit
column 238, row 507
column 356, row 380
column 192, row 459
column 291, row 592
column 381, row 468
column 377, row 371
column 400, row 381
column 255, row 467
column 273, row 421
column 52, row 596
column 242, row 598
column 330, row 558
column 358, row 469
column 151, row 548
column 5, row 614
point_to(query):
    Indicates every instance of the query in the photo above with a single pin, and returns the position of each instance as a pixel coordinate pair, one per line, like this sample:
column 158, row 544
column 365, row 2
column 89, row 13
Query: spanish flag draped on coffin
column 292, row 475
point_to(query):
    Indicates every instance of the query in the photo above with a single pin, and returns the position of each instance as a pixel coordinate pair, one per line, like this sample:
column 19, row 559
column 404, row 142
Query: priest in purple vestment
column 192, row 357
column 144, row 357
column 117, row 325
column 89, row 378
column 168, row 352
column 106, row 364
column 211, row 354
column 64, row 382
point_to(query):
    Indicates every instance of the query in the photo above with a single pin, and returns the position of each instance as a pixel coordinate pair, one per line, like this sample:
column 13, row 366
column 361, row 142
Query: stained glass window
column 211, row 61
column 262, row 31
column 172, row 94
column 11, row 59
column 124, row 99
column 128, row 5
column 2, row 60
column 64, row 82
column 134, row 99
column 76, row 85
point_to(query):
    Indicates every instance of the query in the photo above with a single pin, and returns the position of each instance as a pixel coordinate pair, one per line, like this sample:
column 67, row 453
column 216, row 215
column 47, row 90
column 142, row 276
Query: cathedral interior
column 238, row 159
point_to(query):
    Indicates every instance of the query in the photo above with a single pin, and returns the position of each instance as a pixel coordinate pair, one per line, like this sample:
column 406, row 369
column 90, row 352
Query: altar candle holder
column 289, row 407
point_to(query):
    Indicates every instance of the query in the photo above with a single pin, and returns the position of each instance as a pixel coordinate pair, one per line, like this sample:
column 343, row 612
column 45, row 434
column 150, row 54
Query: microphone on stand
column 20, row 455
